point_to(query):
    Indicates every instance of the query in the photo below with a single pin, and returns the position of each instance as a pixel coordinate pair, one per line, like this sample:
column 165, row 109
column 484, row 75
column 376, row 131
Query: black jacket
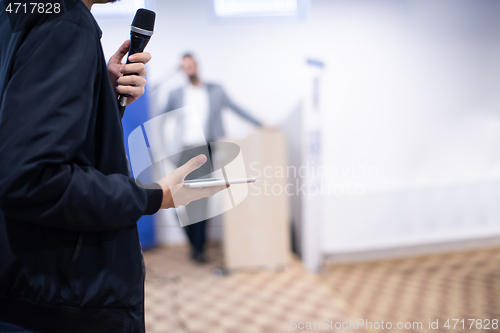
column 70, row 257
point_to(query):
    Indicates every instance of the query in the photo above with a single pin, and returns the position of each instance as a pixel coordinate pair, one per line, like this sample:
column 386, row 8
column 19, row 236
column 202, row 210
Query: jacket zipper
column 78, row 247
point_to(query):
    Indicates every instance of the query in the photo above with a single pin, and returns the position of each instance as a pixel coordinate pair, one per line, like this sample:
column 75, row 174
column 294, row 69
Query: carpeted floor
column 463, row 286
column 185, row 297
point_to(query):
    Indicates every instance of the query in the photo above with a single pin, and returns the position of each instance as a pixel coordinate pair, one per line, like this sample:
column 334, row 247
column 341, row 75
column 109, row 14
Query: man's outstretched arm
column 239, row 111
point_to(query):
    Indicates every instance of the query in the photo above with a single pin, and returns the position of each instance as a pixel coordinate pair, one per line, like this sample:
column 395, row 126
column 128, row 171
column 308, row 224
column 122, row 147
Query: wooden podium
column 257, row 231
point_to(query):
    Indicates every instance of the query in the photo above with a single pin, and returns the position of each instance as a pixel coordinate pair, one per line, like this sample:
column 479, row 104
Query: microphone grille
column 144, row 19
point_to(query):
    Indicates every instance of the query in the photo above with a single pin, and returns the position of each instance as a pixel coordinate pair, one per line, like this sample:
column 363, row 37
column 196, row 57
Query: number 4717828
column 485, row 324
column 33, row 7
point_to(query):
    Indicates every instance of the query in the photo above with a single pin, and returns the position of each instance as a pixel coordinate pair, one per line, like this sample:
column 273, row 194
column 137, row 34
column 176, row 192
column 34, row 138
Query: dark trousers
column 196, row 232
column 197, row 235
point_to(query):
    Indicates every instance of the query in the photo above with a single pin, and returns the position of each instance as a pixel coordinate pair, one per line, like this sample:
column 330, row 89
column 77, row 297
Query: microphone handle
column 138, row 43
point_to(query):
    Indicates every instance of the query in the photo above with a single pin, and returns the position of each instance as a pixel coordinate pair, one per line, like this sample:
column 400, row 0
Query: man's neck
column 89, row 3
column 195, row 81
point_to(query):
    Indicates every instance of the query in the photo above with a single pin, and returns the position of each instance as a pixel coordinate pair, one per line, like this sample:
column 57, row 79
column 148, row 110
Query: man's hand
column 175, row 194
column 131, row 84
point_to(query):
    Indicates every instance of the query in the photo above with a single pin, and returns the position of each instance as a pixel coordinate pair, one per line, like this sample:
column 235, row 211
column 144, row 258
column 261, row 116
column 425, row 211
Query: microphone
column 141, row 31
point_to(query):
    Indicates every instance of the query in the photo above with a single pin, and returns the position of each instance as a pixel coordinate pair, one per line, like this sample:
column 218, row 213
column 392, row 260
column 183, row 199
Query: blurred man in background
column 209, row 100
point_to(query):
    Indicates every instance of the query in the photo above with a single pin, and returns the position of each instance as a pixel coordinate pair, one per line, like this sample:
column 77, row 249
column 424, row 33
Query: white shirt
column 195, row 118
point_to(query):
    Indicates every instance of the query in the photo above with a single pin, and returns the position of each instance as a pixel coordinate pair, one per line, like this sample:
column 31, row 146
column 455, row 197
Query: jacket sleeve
column 45, row 118
column 239, row 111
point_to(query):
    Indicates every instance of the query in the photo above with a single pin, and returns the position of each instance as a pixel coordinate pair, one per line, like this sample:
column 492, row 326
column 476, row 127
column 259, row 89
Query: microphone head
column 144, row 19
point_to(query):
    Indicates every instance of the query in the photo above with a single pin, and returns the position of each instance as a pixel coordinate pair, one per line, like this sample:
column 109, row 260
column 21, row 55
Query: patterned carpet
column 185, row 297
column 463, row 286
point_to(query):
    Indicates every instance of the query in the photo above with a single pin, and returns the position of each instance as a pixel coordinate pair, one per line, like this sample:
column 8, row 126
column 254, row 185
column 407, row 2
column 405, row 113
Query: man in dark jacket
column 70, row 257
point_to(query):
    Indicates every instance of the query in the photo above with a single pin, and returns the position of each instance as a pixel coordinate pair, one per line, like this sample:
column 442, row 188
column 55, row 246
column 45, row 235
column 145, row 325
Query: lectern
column 257, row 230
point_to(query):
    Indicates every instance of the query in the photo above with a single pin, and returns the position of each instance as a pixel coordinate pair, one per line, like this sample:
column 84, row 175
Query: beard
column 194, row 79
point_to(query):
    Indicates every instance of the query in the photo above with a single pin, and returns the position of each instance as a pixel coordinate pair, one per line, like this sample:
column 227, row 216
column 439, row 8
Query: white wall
column 412, row 90
column 413, row 93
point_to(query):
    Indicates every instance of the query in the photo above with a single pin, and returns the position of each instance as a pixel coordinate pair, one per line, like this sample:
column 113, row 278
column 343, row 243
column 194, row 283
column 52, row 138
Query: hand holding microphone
column 133, row 83
column 129, row 79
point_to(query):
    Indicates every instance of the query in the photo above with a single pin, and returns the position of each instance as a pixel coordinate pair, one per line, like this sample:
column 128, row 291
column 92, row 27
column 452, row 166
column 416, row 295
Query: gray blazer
column 218, row 100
